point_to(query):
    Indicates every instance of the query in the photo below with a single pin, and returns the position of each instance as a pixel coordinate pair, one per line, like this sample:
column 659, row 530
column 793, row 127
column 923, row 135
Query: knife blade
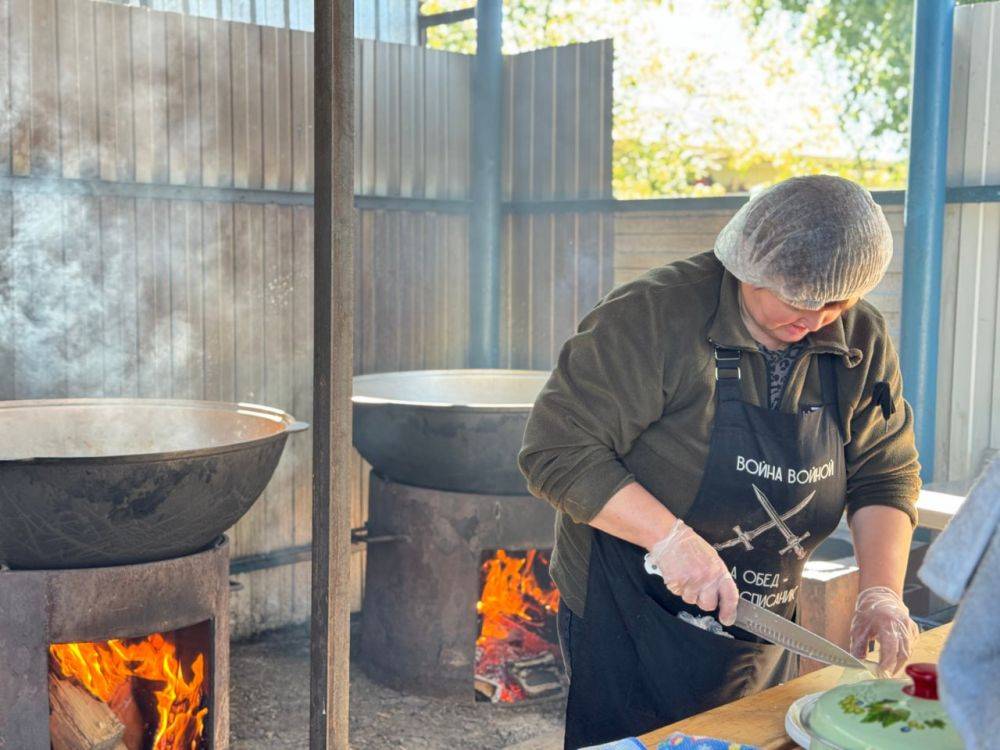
column 797, row 639
column 781, row 632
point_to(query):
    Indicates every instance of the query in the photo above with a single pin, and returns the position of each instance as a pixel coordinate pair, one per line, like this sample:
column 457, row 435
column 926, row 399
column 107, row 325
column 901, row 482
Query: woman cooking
column 718, row 415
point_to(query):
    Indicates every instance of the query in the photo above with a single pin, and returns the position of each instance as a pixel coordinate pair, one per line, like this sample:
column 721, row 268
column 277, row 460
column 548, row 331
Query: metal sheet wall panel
column 205, row 299
column 968, row 412
column 557, row 145
column 383, row 20
column 130, row 94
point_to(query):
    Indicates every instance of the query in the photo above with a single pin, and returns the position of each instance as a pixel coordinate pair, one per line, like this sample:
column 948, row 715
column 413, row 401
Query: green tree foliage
column 716, row 96
column 872, row 41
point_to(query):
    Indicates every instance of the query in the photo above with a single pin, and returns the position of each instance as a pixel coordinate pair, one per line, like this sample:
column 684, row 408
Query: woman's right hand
column 693, row 570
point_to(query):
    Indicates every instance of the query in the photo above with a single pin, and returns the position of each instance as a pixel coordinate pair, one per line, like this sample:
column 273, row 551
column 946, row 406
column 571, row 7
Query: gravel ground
column 269, row 697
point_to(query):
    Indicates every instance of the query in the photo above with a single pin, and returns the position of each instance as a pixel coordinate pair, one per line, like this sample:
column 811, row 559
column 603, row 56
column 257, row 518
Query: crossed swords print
column 793, row 542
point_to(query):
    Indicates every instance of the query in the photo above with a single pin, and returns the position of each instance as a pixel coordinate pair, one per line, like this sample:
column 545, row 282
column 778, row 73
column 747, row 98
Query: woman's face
column 781, row 322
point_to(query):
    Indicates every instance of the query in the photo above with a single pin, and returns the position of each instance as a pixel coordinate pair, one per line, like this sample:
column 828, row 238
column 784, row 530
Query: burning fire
column 515, row 609
column 512, row 592
column 102, row 668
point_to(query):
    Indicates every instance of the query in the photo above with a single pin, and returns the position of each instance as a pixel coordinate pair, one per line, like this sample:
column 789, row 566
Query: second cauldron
column 456, row 430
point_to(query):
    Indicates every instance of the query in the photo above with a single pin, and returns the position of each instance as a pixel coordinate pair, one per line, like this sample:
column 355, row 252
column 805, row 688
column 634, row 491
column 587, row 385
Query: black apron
column 772, row 489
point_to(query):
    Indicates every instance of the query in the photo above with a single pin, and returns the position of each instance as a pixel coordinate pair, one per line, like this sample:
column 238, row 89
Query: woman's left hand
column 879, row 613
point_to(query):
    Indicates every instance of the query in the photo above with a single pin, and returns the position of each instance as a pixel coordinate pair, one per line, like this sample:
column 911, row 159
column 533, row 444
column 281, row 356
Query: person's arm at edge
column 883, row 473
column 883, row 486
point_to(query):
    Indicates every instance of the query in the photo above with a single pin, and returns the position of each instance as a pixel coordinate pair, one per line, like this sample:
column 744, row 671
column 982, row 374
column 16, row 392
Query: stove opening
column 132, row 693
column 517, row 651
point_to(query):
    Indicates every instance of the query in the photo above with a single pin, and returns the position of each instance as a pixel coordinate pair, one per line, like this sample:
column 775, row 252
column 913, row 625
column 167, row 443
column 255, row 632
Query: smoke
column 106, row 294
column 82, row 309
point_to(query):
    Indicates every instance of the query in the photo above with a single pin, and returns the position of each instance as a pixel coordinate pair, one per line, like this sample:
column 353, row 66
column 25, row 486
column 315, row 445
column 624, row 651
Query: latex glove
column 693, row 570
column 879, row 613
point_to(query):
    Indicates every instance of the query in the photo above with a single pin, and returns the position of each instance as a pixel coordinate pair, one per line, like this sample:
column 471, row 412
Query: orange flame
column 105, row 666
column 511, row 592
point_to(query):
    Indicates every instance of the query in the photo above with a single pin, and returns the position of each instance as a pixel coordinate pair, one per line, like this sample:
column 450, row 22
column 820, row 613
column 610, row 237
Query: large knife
column 785, row 633
column 777, row 630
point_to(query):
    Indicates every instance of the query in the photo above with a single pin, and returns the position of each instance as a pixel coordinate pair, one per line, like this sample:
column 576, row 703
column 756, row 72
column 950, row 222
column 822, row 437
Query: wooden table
column 760, row 719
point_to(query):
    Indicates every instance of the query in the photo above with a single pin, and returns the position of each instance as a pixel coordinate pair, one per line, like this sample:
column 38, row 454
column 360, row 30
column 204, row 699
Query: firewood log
column 79, row 721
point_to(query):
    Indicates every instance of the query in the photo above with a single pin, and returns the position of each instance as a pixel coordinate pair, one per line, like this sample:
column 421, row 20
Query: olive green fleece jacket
column 632, row 398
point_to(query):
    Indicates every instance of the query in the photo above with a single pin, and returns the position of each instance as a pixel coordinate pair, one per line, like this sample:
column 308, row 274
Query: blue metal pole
column 485, row 214
column 924, row 216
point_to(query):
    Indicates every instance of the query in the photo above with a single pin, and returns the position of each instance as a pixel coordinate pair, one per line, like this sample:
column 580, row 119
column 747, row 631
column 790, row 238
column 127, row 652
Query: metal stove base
column 419, row 622
column 40, row 607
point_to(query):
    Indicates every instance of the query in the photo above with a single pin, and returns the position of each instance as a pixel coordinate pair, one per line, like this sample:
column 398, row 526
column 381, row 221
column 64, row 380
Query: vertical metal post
column 485, row 217
column 924, row 216
column 332, row 371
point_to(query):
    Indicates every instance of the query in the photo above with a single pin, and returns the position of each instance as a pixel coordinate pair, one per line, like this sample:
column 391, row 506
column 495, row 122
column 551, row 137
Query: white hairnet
column 810, row 240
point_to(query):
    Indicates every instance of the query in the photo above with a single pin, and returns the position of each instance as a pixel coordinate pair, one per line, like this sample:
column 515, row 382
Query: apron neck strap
column 828, row 380
column 727, row 374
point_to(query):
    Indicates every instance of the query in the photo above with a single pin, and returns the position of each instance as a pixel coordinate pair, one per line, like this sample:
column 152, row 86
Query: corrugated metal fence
column 156, row 225
column 382, row 20
column 558, row 147
column 968, row 404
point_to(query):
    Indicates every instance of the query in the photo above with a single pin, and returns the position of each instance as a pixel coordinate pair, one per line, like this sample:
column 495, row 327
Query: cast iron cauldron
column 95, row 482
column 456, row 430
